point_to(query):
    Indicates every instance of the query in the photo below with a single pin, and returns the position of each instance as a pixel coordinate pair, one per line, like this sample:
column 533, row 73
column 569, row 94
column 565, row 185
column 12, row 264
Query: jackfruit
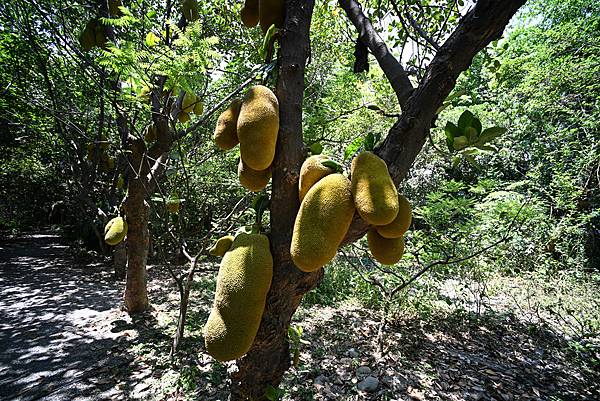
column 243, row 281
column 226, row 130
column 400, row 224
column 322, row 222
column 150, row 135
column 113, row 7
column 173, row 205
column 115, row 231
column 253, row 180
column 183, row 117
column 100, row 36
column 312, row 171
column 221, row 246
column 189, row 102
column 258, row 126
column 387, row 251
column 198, row 107
column 374, row 192
column 189, row 8
column 87, row 38
column 249, row 13
column 271, row 12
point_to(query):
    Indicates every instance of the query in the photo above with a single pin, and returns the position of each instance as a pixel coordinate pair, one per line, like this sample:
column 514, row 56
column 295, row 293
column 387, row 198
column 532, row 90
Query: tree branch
column 391, row 67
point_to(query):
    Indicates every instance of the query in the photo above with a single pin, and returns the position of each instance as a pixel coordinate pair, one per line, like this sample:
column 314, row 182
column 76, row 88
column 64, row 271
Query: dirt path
column 49, row 305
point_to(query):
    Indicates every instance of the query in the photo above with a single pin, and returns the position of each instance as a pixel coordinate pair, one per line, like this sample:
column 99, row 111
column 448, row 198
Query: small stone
column 352, row 353
column 363, row 370
column 369, row 384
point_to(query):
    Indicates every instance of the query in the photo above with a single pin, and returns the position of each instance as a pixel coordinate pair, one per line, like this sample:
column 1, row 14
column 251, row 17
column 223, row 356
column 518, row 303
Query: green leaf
column 316, row 148
column 353, row 147
column 475, row 123
column 369, row 141
column 460, row 142
column 490, row 134
column 151, row 39
column 487, row 148
column 260, row 203
column 465, row 120
column 272, row 393
column 332, row 164
column 471, row 134
column 452, row 130
column 472, row 161
column 266, row 41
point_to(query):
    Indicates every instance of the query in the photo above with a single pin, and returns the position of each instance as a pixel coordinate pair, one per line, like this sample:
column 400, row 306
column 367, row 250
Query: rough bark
column 269, row 357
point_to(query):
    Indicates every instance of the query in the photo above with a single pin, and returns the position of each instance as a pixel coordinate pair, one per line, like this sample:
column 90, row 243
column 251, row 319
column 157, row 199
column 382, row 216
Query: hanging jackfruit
column 226, row 130
column 183, row 117
column 150, row 134
column 189, row 8
column 312, row 171
column 253, row 180
column 87, row 38
column 221, row 246
column 249, row 13
column 189, row 102
column 113, row 8
column 400, row 224
column 115, row 231
column 375, row 195
column 173, row 205
column 271, row 12
column 198, row 107
column 243, row 281
column 387, row 251
column 258, row 126
column 100, row 35
column 322, row 222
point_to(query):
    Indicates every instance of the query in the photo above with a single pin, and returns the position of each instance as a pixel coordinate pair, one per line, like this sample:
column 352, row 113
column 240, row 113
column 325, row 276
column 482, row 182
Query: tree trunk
column 136, row 211
column 269, row 358
column 120, row 261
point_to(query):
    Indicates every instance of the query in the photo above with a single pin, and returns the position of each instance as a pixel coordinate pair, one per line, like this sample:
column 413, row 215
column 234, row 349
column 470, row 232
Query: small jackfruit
column 113, row 8
column 387, row 251
column 398, row 227
column 115, row 231
column 221, row 246
column 189, row 8
column 243, row 281
column 173, row 205
column 253, row 180
column 258, row 126
column 183, row 117
column 100, row 35
column 375, row 194
column 271, row 12
column 249, row 13
column 150, row 134
column 312, row 170
column 87, row 38
column 189, row 102
column 322, row 222
column 226, row 130
column 198, row 107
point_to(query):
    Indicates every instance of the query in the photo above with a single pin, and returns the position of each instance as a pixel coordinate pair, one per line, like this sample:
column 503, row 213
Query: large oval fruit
column 271, row 12
column 253, row 180
column 115, row 231
column 258, row 126
column 375, row 195
column 311, row 172
column 387, row 251
column 249, row 13
column 400, row 224
column 322, row 222
column 243, row 281
column 226, row 130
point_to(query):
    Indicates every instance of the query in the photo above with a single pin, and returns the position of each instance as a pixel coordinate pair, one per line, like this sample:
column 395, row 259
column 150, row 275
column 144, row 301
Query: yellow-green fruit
column 115, row 231
column 398, row 227
column 150, row 135
column 221, row 246
column 243, row 281
column 173, row 205
column 226, row 130
column 189, row 9
column 183, row 117
column 113, row 7
column 387, row 251
column 198, row 107
column 87, row 38
column 375, row 195
column 271, row 12
column 312, row 171
column 251, row 179
column 322, row 222
column 249, row 13
column 257, row 127
column 189, row 102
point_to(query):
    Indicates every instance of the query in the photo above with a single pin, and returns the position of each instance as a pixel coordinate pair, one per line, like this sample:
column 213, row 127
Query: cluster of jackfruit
column 263, row 12
column 328, row 202
column 93, row 35
column 107, row 162
column 253, row 122
column 190, row 104
column 243, row 281
column 115, row 230
column 379, row 204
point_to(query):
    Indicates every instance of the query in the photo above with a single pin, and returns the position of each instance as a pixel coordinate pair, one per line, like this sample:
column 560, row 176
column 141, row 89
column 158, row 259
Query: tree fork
column 269, row 357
